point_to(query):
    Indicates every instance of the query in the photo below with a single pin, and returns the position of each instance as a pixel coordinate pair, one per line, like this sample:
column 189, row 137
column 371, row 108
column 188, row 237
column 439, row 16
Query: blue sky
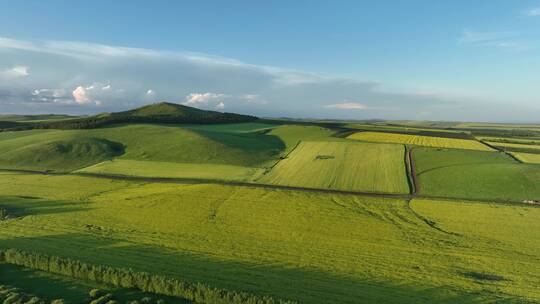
column 439, row 60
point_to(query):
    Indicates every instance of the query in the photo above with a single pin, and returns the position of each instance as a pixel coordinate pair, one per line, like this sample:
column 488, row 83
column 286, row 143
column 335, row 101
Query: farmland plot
column 527, row 157
column 129, row 167
column 475, row 175
column 343, row 166
column 418, row 140
column 311, row 247
column 516, row 147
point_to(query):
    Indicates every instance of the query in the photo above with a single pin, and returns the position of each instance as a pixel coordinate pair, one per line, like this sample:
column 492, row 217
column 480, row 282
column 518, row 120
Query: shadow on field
column 307, row 285
column 250, row 142
column 19, row 206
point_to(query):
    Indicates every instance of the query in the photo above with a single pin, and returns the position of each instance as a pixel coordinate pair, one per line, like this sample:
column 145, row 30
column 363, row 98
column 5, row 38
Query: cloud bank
column 76, row 77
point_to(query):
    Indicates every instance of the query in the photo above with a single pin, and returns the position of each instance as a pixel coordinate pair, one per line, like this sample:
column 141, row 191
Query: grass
column 428, row 141
column 174, row 170
column 343, row 166
column 313, row 247
column 527, row 157
column 475, row 175
column 291, row 135
column 140, row 142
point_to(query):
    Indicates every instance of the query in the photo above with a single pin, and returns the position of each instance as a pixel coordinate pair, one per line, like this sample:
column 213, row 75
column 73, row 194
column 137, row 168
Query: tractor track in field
column 411, row 172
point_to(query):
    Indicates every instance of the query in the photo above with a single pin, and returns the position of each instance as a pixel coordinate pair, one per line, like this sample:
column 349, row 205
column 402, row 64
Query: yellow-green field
column 174, row 170
column 343, row 166
column 514, row 145
column 527, row 157
column 428, row 141
column 516, row 140
column 311, row 247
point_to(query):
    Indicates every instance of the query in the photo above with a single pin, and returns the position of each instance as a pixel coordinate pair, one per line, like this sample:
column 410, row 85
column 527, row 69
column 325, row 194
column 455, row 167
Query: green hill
column 162, row 112
column 35, row 149
column 61, row 155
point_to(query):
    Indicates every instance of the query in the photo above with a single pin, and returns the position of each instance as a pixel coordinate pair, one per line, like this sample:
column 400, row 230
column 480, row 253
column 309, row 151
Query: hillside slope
column 35, row 149
column 162, row 112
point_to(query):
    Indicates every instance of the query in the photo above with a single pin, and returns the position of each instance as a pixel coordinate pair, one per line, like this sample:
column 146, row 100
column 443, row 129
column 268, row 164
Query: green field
column 291, row 135
column 418, row 140
column 475, row 175
column 174, row 170
column 225, row 208
column 343, row 166
column 312, row 247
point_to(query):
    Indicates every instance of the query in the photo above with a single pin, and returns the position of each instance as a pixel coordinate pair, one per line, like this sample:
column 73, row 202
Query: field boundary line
column 269, row 186
column 501, row 150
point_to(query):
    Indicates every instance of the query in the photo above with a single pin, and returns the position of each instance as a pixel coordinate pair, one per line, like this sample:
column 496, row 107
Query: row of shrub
column 127, row 278
column 12, row 295
column 3, row 214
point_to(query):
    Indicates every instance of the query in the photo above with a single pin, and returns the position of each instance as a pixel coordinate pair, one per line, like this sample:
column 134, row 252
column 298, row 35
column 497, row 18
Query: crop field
column 475, row 175
column 311, row 247
column 174, row 170
column 408, row 129
column 241, row 210
column 499, row 126
column 343, row 166
column 428, row 141
column 515, row 140
column 515, row 147
column 527, row 157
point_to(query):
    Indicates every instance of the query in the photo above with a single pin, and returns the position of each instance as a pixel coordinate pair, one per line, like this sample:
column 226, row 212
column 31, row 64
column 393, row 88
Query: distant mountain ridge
column 163, row 112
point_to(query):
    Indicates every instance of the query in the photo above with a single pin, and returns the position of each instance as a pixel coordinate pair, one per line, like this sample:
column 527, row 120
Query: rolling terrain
column 174, row 204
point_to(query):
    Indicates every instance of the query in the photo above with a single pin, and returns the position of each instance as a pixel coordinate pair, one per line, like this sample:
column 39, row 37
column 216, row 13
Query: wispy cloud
column 15, row 72
column 76, row 77
column 533, row 12
column 347, row 106
column 470, row 36
column 509, row 40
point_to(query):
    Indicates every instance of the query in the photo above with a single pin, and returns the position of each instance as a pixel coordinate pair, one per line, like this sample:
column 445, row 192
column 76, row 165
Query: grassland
column 291, row 135
column 128, row 167
column 343, row 166
column 44, row 149
column 312, row 247
column 475, row 175
column 428, row 141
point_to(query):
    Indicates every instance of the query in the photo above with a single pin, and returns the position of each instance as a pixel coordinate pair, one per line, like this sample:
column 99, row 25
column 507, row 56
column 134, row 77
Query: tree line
column 127, row 278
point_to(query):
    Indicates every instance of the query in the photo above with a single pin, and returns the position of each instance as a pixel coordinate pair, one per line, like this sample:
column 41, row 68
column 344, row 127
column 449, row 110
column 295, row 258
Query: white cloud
column 220, row 105
column 150, row 92
column 195, row 79
column 15, row 72
column 80, row 95
column 347, row 106
column 195, row 99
